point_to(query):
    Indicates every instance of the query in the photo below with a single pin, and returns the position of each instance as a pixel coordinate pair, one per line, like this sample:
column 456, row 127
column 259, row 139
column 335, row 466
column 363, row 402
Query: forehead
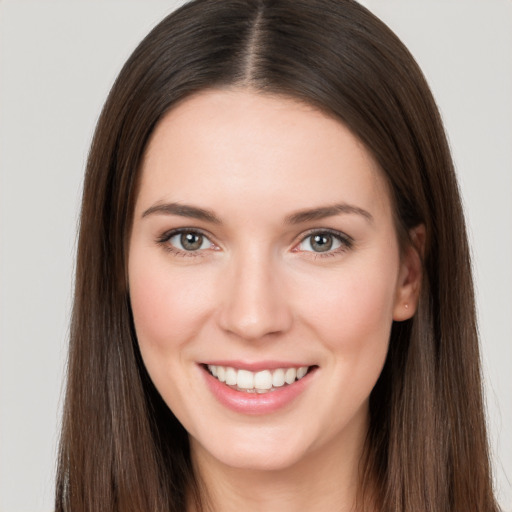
column 239, row 145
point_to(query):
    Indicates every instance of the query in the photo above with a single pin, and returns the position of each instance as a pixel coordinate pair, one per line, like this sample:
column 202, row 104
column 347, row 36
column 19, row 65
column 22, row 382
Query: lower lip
column 256, row 403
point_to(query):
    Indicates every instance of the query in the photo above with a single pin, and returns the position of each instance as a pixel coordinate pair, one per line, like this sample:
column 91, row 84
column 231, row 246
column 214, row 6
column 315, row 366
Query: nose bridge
column 254, row 303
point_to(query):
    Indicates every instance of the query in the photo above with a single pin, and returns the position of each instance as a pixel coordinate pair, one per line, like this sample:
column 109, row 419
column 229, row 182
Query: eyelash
column 164, row 239
column 346, row 242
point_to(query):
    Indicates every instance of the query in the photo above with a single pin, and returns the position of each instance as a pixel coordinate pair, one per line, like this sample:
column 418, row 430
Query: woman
column 319, row 352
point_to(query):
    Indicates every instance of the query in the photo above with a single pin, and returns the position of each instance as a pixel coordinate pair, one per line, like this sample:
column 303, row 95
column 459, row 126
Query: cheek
column 168, row 305
column 351, row 313
column 352, row 320
column 353, row 303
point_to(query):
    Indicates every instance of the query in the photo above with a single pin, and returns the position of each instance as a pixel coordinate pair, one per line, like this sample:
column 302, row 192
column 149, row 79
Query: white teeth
column 231, row 375
column 301, row 372
column 263, row 380
column 290, row 375
column 245, row 379
column 221, row 373
column 259, row 382
column 278, row 378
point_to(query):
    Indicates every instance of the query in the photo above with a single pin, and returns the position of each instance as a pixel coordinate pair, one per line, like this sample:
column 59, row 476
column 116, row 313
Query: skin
column 257, row 290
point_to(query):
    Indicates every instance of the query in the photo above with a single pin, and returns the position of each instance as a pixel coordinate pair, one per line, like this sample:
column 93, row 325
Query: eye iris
column 321, row 243
column 191, row 241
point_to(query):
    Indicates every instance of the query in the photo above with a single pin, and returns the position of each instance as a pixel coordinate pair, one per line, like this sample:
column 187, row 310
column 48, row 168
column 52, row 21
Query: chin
column 264, row 451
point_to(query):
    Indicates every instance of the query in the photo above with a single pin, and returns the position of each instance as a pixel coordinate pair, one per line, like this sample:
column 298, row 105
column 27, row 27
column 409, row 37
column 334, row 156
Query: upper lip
column 255, row 366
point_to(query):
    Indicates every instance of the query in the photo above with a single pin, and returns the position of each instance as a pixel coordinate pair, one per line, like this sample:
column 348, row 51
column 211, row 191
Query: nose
column 255, row 302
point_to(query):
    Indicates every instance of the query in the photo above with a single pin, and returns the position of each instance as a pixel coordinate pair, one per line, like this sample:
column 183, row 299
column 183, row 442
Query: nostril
column 253, row 321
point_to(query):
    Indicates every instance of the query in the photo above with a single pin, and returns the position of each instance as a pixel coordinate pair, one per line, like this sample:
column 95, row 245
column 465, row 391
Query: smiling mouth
column 264, row 381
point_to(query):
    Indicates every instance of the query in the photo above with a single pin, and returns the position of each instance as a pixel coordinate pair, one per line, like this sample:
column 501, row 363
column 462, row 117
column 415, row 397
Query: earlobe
column 410, row 276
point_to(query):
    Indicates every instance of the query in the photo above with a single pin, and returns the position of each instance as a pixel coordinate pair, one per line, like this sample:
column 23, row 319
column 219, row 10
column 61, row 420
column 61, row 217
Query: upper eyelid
column 346, row 241
column 339, row 234
column 166, row 235
column 164, row 240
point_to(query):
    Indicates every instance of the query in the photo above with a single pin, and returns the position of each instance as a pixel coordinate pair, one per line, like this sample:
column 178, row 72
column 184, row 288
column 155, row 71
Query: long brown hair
column 121, row 448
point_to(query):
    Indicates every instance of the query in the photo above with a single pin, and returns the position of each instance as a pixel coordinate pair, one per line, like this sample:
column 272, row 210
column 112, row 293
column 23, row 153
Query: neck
column 326, row 480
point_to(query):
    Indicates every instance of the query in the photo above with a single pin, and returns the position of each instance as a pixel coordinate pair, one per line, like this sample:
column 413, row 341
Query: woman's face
column 263, row 248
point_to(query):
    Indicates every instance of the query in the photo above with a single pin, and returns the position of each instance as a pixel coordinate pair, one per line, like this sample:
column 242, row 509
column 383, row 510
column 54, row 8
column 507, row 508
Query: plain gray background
column 58, row 60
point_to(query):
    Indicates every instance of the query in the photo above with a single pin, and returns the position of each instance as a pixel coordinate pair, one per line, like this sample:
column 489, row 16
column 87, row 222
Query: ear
column 410, row 275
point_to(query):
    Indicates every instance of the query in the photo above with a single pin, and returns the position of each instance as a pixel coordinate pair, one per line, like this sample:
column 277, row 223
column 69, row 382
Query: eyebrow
column 326, row 211
column 183, row 210
column 299, row 217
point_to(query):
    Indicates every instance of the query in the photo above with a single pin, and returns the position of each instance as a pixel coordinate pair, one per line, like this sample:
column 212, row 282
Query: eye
column 189, row 241
column 324, row 242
